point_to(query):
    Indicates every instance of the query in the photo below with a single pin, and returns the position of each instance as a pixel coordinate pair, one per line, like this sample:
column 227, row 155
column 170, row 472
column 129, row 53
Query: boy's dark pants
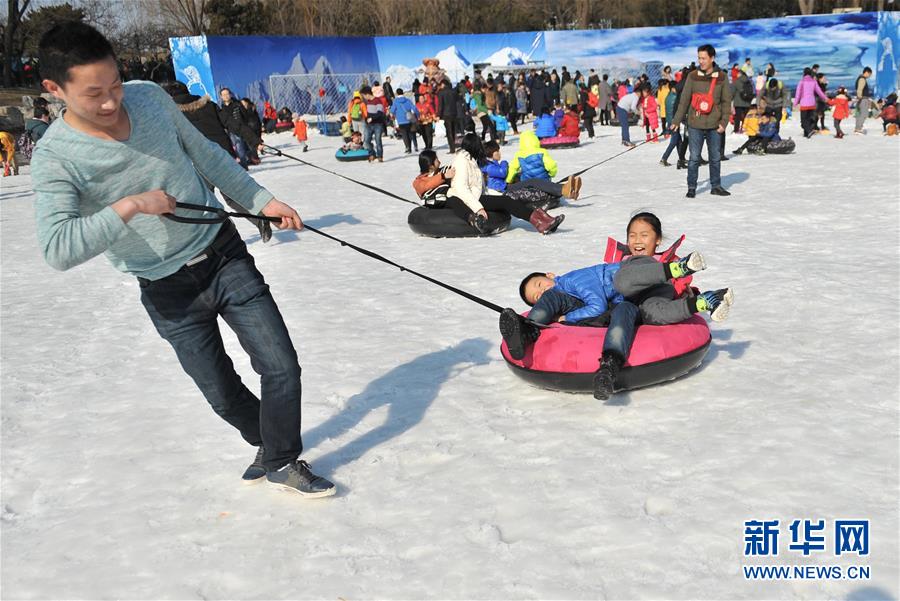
column 185, row 306
column 623, row 319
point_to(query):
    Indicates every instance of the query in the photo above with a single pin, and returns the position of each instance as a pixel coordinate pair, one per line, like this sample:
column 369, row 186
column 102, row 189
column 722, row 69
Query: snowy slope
column 456, row 479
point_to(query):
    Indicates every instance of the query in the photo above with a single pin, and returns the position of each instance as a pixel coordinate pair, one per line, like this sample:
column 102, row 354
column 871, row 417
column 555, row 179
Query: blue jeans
column 713, row 140
column 241, row 148
column 623, row 319
column 185, row 307
column 622, row 116
column 623, row 323
column 374, row 132
column 674, row 141
column 552, row 304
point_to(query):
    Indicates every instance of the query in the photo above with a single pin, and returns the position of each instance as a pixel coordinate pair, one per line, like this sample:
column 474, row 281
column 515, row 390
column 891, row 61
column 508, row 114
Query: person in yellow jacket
column 531, row 161
column 8, row 152
column 662, row 91
column 751, row 122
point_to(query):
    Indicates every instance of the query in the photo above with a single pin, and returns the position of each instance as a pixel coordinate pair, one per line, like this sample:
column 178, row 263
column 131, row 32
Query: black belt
column 222, row 238
column 225, row 233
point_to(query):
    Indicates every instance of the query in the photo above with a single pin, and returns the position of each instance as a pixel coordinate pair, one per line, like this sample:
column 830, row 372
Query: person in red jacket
column 300, row 128
column 270, row 117
column 841, row 104
column 569, row 127
column 889, row 115
column 650, row 110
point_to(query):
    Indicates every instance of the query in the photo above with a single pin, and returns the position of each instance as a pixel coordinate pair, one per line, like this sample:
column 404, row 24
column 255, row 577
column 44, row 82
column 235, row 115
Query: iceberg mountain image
column 506, row 57
column 322, row 66
column 402, row 76
column 454, row 63
column 297, row 66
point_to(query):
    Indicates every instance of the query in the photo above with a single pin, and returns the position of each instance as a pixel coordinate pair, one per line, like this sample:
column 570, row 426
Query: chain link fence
column 300, row 93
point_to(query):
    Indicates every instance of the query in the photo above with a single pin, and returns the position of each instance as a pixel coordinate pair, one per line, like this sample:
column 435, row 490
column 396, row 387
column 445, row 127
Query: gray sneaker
column 255, row 472
column 297, row 477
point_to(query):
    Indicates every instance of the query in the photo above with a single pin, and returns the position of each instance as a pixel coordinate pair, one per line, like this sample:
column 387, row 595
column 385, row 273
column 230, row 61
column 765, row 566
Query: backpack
column 356, row 111
column 747, row 91
column 703, row 103
column 25, row 144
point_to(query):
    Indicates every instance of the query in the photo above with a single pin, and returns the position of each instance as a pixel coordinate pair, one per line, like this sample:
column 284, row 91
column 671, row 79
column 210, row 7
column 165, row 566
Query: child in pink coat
column 650, row 110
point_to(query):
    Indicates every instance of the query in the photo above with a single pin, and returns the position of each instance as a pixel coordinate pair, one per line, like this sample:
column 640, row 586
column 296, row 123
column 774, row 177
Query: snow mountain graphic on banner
column 297, row 67
column 322, row 66
column 402, row 76
column 454, row 63
column 506, row 57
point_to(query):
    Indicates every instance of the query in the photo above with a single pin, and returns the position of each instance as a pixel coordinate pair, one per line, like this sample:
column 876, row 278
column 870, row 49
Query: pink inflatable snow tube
column 559, row 142
column 566, row 357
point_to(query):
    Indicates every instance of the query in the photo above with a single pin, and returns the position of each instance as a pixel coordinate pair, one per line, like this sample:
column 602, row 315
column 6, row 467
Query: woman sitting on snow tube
column 432, row 185
column 568, row 134
column 465, row 196
column 620, row 296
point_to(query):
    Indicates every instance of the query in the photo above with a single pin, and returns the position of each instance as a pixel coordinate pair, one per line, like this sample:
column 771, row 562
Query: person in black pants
column 447, row 111
column 587, row 112
column 205, row 116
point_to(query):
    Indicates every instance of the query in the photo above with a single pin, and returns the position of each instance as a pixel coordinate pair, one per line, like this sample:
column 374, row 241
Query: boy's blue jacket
column 544, row 127
column 496, row 174
column 769, row 130
column 593, row 286
column 500, row 122
column 401, row 106
column 558, row 115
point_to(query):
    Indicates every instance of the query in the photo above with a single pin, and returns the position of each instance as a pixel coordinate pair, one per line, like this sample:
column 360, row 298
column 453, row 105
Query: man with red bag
column 706, row 101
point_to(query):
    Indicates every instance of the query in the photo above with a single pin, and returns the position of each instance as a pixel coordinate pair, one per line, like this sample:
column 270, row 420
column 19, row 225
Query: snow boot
column 717, row 302
column 545, row 223
column 719, row 191
column 648, row 137
column 655, row 138
column 297, row 477
column 682, row 164
column 568, row 188
column 576, row 188
column 517, row 333
column 255, row 472
column 688, row 265
column 664, row 163
column 605, row 377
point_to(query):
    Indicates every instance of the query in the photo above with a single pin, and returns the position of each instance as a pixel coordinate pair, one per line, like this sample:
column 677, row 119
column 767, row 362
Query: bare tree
column 189, row 15
column 696, row 8
column 13, row 21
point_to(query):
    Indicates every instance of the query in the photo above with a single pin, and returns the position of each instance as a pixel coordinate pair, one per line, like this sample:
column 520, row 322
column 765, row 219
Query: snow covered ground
column 456, row 479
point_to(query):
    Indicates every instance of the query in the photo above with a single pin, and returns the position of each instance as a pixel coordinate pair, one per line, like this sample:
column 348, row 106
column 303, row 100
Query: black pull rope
column 277, row 152
column 222, row 215
column 369, row 253
column 577, row 173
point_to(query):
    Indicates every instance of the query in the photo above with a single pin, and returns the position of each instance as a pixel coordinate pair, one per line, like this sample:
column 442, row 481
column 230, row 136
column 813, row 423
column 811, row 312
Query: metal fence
column 301, row 93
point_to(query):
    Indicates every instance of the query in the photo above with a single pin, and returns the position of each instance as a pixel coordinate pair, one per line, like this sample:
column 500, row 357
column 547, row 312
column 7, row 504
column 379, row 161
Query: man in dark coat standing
column 203, row 114
column 446, row 110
